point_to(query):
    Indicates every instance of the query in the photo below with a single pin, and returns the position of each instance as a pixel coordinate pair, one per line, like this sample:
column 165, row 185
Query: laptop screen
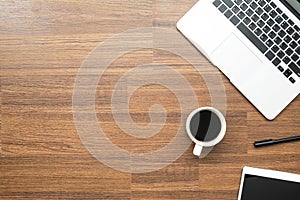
column 262, row 188
column 293, row 5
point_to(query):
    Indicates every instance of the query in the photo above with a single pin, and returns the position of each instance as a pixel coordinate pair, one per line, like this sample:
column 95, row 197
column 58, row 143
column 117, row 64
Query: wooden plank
column 42, row 46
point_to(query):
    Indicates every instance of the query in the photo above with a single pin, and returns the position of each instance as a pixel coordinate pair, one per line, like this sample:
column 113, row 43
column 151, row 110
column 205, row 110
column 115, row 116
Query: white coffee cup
column 206, row 126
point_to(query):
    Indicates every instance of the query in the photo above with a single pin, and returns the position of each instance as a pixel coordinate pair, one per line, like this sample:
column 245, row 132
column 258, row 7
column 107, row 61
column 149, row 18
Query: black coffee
column 205, row 125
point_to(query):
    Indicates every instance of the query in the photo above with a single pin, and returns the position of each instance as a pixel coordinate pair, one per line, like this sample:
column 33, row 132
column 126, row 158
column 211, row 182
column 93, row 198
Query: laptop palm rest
column 247, row 73
column 236, row 60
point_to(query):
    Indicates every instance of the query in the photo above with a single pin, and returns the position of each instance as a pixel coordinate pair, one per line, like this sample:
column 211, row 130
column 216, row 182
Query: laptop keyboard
column 269, row 29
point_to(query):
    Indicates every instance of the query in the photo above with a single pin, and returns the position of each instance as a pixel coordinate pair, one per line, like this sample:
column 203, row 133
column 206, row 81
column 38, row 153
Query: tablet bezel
column 267, row 174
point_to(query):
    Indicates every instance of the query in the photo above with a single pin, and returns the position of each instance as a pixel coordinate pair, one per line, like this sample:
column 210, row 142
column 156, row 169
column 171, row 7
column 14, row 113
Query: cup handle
column 200, row 151
column 197, row 150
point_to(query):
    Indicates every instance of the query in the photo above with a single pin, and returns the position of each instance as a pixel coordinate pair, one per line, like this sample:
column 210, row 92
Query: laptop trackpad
column 235, row 60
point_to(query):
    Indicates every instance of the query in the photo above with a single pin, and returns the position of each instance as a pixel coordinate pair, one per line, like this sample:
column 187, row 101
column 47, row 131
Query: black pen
column 270, row 141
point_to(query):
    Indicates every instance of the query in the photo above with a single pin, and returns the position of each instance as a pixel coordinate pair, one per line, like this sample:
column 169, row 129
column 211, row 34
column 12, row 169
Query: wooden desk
column 42, row 45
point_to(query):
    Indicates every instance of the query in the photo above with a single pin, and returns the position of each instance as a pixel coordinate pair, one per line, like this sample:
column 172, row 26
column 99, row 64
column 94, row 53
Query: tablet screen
column 262, row 188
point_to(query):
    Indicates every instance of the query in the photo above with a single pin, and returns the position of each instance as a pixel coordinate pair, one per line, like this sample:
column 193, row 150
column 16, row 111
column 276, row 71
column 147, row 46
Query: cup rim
column 213, row 142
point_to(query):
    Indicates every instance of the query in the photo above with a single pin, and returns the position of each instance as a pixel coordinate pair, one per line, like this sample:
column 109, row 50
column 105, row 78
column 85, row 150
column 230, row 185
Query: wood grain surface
column 42, row 46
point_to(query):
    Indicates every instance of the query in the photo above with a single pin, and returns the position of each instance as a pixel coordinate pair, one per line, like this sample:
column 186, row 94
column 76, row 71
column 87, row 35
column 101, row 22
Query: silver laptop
column 255, row 43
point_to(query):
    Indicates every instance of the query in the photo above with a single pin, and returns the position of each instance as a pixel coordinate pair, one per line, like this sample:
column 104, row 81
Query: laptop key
column 273, row 5
column 292, row 80
column 289, row 51
column 298, row 50
column 249, row 12
column 278, row 19
column 295, row 57
column 281, row 33
column 222, row 8
column 252, row 26
column 261, row 23
column 277, row 40
column 270, row 55
column 291, row 22
column 259, row 11
column 234, row 20
column 238, row 2
column 266, row 29
column 287, row 73
column 262, row 3
column 273, row 14
column 285, row 16
column 229, row 3
column 280, row 54
column 244, row 7
column 247, row 21
column 283, row 46
column 261, row 46
column 258, row 32
column 263, row 37
column 267, row 8
column 296, row 36
column 284, row 25
column 253, row 5
column 270, row 22
column 286, row 60
column 287, row 39
column 255, row 18
column 276, row 28
column 269, row 43
column 295, row 68
column 280, row 69
column 279, row 10
column 228, row 14
column 241, row 15
column 272, row 34
column 265, row 17
column 275, row 49
column 235, row 9
column 297, row 28
column 293, row 45
column 290, row 30
column 217, row 3
column 276, row 62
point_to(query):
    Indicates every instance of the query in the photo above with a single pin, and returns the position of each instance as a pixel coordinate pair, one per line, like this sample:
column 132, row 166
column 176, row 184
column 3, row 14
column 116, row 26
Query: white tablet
column 262, row 184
